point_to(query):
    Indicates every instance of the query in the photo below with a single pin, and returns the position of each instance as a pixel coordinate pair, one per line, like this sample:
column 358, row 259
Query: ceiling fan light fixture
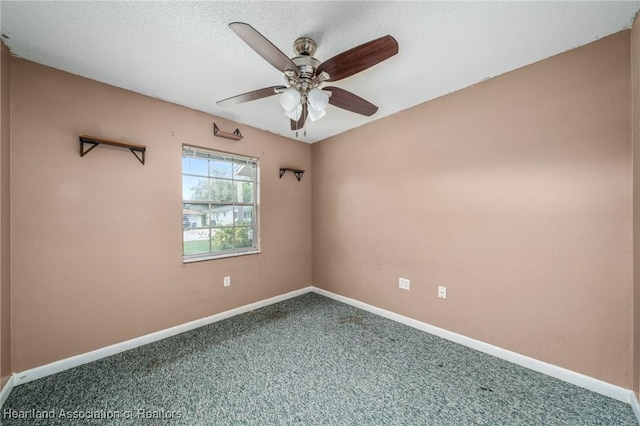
column 318, row 100
column 290, row 100
column 295, row 113
column 316, row 115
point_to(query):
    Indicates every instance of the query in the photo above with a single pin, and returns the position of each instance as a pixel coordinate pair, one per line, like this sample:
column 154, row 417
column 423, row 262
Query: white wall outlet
column 404, row 283
column 227, row 281
column 442, row 292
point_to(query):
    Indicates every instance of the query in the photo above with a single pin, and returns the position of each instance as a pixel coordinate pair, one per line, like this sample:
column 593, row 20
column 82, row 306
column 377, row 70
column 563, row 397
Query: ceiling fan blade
column 297, row 125
column 263, row 47
column 347, row 100
column 359, row 58
column 251, row 96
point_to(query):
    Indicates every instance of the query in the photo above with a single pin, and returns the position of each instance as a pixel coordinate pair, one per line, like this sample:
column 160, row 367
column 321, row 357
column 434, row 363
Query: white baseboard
column 77, row 360
column 6, row 390
column 578, row 379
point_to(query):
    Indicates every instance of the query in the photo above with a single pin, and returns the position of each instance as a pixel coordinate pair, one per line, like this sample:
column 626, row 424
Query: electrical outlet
column 227, row 281
column 442, row 292
column 404, row 283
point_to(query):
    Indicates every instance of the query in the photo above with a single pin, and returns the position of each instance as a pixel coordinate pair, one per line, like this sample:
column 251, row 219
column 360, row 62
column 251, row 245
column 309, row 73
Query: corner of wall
column 5, row 248
column 635, row 141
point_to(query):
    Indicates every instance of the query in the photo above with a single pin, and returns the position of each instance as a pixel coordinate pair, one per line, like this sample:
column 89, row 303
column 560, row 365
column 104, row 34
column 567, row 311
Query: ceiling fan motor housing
column 306, row 65
column 306, row 79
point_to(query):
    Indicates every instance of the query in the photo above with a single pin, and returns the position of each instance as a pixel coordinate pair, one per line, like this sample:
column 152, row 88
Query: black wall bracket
column 296, row 172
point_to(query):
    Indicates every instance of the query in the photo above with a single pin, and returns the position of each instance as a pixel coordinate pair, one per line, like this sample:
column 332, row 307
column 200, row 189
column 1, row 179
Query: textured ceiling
column 184, row 52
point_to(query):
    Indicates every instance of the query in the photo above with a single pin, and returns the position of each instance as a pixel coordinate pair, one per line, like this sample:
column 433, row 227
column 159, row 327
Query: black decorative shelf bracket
column 296, row 172
column 137, row 150
column 236, row 135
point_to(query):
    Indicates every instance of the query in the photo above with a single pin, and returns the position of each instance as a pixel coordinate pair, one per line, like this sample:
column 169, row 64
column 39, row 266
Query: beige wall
column 5, row 251
column 97, row 241
column 516, row 194
column 635, row 108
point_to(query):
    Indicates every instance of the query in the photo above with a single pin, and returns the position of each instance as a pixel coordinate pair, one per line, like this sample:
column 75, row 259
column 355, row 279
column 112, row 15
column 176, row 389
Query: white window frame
column 190, row 151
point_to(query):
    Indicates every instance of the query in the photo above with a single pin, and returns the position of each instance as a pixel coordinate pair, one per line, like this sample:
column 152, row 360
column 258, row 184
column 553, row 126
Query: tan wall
column 97, row 241
column 5, row 249
column 635, row 108
column 516, row 194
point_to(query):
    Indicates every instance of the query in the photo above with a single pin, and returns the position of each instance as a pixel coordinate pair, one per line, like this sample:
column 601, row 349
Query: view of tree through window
column 219, row 204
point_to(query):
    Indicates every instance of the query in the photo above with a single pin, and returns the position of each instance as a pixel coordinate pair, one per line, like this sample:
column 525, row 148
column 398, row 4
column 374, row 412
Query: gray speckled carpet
column 308, row 360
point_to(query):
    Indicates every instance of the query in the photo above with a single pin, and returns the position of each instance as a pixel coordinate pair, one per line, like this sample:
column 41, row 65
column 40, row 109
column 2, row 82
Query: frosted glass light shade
column 290, row 99
column 318, row 99
column 315, row 115
column 295, row 113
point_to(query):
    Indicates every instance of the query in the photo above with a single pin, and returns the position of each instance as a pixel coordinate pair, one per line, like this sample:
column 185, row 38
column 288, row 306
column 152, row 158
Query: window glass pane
column 222, row 190
column 244, row 237
column 221, row 239
column 244, row 171
column 221, row 215
column 243, row 215
column 195, row 188
column 196, row 241
column 220, row 169
column 219, row 203
column 195, row 166
column 195, row 216
column 244, row 192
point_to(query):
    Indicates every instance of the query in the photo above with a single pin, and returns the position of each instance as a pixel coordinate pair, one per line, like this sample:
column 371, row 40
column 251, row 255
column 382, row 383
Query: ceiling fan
column 305, row 75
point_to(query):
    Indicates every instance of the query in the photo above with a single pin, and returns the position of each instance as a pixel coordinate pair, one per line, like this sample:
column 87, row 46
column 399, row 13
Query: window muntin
column 219, row 204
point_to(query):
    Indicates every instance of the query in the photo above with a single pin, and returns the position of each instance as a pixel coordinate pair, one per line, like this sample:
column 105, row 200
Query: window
column 219, row 204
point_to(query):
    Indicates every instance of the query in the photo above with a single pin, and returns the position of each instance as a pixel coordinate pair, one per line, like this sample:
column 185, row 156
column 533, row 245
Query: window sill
column 195, row 258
